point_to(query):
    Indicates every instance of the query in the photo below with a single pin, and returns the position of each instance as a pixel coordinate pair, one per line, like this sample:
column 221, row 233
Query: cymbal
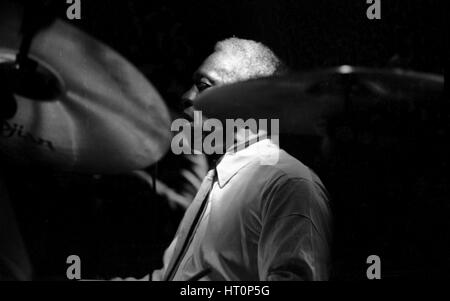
column 304, row 103
column 100, row 114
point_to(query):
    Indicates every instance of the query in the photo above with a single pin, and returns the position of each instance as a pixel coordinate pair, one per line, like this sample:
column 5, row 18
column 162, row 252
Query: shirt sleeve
column 295, row 233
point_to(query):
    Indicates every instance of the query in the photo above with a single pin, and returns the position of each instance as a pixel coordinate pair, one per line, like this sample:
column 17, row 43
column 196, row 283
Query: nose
column 189, row 97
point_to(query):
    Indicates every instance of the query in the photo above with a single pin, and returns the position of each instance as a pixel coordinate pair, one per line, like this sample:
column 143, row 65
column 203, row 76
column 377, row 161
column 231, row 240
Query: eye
column 203, row 84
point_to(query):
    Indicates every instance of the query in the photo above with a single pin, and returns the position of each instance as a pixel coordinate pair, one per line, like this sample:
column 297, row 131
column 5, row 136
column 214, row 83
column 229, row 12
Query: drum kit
column 71, row 103
column 80, row 106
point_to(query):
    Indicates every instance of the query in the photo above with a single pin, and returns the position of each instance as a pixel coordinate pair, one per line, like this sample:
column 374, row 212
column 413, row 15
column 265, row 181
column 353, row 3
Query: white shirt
column 264, row 220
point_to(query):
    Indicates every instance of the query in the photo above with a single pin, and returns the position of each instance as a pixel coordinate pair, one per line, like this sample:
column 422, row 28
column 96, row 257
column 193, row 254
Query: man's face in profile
column 215, row 71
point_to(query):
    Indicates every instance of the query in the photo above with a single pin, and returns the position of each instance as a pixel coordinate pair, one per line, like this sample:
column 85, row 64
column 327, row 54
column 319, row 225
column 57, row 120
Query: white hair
column 251, row 59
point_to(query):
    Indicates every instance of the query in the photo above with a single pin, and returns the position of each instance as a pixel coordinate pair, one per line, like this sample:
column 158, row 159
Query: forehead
column 219, row 66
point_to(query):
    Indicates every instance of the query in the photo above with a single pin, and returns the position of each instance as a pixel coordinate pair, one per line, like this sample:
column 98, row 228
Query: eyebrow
column 198, row 75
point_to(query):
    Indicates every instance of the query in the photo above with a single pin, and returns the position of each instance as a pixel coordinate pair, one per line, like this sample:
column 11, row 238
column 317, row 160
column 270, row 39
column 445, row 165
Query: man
column 250, row 220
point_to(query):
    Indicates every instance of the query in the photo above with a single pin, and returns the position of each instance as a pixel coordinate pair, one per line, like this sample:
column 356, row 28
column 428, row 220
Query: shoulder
column 288, row 178
column 292, row 189
column 284, row 167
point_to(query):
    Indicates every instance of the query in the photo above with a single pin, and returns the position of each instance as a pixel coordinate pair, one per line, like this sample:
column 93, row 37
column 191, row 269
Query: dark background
column 119, row 228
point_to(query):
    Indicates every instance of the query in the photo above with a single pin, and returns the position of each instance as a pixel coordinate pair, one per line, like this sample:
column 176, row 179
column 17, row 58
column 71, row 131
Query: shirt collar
column 232, row 162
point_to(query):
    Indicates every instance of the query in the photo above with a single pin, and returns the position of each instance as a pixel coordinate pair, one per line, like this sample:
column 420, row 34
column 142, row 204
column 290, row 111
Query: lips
column 187, row 103
column 188, row 113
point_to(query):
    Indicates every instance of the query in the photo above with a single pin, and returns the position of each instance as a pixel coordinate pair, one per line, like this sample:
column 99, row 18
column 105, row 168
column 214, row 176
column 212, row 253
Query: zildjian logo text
column 17, row 130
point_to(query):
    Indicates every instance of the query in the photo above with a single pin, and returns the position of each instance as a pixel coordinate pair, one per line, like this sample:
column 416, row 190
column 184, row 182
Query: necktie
column 189, row 223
